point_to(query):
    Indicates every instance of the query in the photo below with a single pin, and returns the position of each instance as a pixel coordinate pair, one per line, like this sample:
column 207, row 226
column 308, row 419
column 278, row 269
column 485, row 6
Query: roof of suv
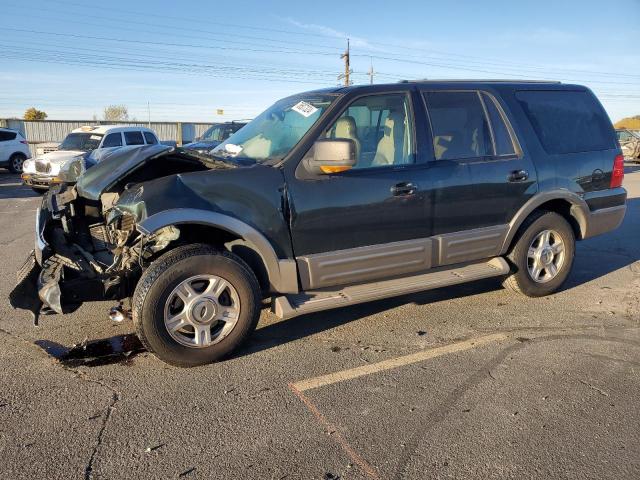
column 470, row 83
column 104, row 129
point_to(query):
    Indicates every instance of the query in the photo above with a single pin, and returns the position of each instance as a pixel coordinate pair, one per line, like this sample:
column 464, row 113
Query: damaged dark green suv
column 331, row 198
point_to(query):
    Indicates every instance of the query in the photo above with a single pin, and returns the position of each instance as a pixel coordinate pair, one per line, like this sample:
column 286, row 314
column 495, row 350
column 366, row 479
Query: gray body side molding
column 283, row 275
column 590, row 223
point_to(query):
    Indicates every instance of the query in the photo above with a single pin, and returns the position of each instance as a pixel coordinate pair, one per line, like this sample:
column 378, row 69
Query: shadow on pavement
column 11, row 187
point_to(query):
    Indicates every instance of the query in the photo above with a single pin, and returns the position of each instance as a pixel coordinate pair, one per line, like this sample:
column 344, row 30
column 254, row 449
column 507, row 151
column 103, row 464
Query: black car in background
column 214, row 136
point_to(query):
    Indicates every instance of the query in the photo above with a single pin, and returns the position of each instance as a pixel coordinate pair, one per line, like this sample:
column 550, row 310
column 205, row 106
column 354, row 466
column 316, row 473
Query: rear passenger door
column 471, row 129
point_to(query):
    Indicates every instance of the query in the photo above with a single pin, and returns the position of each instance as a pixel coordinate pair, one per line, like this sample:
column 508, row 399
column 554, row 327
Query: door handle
column 518, row 176
column 404, row 188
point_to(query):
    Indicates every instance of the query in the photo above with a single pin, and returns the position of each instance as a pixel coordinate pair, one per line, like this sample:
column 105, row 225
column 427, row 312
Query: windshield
column 273, row 133
column 213, row 134
column 81, row 141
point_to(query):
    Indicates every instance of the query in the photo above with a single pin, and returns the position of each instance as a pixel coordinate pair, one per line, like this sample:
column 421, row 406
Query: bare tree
column 117, row 113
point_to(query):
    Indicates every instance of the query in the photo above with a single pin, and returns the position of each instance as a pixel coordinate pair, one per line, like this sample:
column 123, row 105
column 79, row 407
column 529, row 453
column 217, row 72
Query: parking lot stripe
column 356, row 372
column 336, row 435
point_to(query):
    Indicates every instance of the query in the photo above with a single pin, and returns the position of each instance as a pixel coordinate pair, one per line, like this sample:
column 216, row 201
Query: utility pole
column 371, row 72
column 347, row 69
column 148, row 115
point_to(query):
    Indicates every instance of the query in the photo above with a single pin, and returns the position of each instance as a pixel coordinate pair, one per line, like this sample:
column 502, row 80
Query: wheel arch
column 274, row 274
column 563, row 202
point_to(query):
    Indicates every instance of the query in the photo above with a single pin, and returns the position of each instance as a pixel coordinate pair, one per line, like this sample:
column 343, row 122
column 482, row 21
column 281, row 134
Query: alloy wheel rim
column 17, row 164
column 201, row 311
column 546, row 256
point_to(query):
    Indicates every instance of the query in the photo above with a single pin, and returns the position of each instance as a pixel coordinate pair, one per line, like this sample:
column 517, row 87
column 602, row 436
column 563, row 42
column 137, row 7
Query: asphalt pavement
column 465, row 382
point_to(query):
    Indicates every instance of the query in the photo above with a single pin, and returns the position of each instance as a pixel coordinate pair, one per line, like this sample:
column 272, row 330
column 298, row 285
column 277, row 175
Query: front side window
column 276, row 131
column 83, row 142
column 112, row 140
column 150, row 138
column 381, row 126
column 459, row 125
column 133, row 138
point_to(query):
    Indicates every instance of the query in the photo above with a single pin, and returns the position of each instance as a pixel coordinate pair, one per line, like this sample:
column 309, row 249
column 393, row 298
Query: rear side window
column 567, row 121
column 150, row 138
column 6, row 136
column 501, row 133
column 459, row 125
column 112, row 140
column 133, row 138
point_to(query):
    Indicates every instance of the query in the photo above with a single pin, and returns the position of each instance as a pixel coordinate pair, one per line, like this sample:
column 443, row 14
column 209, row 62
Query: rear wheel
column 195, row 305
column 542, row 255
column 16, row 161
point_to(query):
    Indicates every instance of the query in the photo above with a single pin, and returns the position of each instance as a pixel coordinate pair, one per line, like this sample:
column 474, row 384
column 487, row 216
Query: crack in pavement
column 115, row 398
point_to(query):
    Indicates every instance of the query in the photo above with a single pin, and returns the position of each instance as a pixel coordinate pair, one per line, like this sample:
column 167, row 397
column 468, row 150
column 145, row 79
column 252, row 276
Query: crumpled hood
column 60, row 156
column 139, row 164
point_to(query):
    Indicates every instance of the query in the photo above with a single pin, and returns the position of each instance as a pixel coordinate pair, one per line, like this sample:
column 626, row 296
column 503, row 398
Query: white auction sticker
column 305, row 109
column 232, row 148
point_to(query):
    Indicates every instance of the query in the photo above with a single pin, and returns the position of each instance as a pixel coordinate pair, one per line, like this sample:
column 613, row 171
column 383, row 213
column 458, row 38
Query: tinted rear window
column 567, row 121
column 5, row 136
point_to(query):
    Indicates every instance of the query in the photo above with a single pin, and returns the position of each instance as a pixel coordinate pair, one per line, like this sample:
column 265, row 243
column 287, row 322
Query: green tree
column 34, row 114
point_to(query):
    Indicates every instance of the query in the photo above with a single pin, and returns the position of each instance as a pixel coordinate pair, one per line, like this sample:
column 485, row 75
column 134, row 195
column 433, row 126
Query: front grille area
column 43, row 167
column 99, row 236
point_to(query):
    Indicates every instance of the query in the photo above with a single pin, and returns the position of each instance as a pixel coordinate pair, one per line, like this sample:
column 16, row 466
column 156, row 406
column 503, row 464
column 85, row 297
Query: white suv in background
column 81, row 149
column 14, row 150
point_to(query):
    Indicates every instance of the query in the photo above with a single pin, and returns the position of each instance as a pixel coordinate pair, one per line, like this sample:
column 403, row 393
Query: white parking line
column 352, row 373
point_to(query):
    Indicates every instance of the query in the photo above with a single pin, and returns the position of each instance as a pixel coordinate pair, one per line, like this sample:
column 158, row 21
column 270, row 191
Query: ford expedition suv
column 331, row 198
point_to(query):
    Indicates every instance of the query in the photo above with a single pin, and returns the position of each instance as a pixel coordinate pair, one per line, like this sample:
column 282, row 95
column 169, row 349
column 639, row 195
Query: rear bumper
column 604, row 220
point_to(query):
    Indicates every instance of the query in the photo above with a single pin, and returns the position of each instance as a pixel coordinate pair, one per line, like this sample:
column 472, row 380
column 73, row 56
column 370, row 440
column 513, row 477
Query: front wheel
column 542, row 255
column 194, row 305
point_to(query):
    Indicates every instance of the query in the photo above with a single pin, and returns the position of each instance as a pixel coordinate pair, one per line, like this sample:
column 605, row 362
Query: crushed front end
column 79, row 256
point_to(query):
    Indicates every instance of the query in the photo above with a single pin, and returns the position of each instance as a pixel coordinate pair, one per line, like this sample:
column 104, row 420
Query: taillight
column 618, row 172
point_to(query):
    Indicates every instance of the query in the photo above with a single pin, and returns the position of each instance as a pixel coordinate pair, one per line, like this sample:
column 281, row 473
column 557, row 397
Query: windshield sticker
column 232, row 149
column 305, row 109
column 95, row 137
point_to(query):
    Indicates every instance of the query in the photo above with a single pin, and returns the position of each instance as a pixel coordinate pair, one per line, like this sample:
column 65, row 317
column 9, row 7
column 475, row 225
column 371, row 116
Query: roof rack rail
column 477, row 80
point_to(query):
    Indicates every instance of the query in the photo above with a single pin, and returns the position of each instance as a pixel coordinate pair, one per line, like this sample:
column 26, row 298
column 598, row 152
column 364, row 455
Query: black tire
column 169, row 270
column 39, row 191
column 15, row 162
column 520, row 280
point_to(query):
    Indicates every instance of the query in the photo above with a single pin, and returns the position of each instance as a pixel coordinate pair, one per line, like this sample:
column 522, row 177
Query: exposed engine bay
column 87, row 245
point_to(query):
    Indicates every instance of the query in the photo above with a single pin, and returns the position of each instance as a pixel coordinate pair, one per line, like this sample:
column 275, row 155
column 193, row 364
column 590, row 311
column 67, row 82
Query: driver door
column 372, row 221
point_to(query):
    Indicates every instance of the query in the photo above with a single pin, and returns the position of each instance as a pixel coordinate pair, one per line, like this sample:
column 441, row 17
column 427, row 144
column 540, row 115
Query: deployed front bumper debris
column 25, row 294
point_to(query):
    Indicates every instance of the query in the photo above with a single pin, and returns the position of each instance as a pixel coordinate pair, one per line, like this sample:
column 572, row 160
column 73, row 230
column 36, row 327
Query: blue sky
column 188, row 59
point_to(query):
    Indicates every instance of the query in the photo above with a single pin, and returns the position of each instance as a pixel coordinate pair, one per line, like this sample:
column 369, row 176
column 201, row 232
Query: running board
column 292, row 305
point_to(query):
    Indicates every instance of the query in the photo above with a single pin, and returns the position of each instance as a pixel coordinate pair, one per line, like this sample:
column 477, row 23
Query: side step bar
column 288, row 306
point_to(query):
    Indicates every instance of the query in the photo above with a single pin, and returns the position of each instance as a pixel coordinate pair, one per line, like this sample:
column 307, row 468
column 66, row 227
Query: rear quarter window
column 6, row 136
column 567, row 121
